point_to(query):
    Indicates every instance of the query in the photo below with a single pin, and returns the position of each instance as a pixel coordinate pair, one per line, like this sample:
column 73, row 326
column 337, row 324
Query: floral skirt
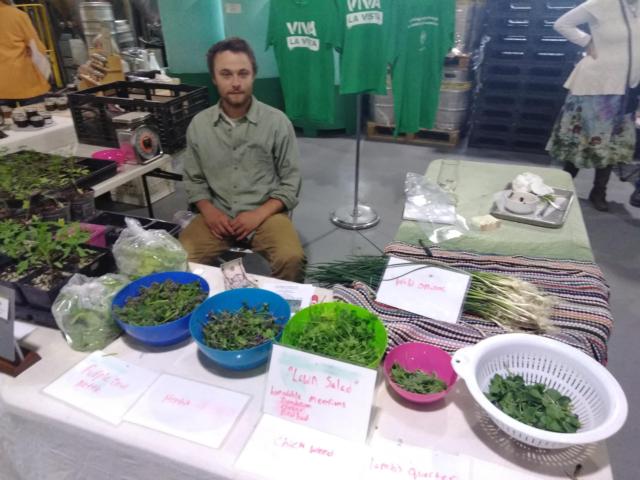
column 591, row 132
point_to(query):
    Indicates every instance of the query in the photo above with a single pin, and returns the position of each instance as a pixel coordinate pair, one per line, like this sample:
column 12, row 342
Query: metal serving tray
column 544, row 216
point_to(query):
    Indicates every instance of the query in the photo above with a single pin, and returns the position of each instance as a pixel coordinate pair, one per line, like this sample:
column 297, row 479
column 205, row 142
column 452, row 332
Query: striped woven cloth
column 581, row 315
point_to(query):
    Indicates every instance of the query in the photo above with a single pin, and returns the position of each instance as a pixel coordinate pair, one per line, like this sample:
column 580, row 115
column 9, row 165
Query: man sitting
column 241, row 169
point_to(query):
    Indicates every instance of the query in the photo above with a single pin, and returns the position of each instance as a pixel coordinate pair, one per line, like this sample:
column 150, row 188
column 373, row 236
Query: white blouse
column 606, row 74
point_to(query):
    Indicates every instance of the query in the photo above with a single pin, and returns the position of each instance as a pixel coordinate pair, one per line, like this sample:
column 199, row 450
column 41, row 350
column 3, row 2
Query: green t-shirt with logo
column 365, row 30
column 422, row 36
column 303, row 34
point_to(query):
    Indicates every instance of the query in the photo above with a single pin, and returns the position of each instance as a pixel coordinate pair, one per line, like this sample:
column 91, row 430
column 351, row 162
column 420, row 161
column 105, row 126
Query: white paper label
column 4, row 309
column 322, row 393
column 424, row 290
column 190, row 410
column 103, row 386
column 285, row 451
column 297, row 295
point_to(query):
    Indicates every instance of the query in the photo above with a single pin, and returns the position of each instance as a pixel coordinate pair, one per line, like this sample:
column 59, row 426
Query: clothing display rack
column 357, row 216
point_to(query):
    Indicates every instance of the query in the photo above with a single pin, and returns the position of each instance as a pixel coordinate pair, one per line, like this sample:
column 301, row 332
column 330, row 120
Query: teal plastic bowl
column 233, row 300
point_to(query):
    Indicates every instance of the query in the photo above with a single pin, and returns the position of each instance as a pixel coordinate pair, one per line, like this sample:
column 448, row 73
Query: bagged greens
column 82, row 311
column 139, row 252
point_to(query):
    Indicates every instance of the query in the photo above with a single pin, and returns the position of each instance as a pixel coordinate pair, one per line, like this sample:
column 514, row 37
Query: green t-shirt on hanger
column 303, row 34
column 365, row 30
column 423, row 34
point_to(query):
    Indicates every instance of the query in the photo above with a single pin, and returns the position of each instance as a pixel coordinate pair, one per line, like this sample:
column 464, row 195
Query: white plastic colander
column 597, row 397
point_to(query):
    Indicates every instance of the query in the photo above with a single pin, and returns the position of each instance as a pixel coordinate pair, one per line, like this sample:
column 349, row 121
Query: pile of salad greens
column 534, row 404
column 344, row 336
column 161, row 303
column 241, row 329
column 417, row 381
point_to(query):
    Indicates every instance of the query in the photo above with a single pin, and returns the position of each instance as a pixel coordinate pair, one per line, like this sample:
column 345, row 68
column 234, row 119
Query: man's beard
column 238, row 99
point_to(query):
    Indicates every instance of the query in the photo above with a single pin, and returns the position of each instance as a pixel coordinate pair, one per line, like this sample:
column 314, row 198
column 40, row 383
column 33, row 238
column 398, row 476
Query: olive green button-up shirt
column 239, row 165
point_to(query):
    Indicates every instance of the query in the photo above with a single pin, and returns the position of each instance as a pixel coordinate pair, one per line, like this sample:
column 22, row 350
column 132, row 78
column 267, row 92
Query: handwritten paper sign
column 7, row 341
column 286, row 451
column 413, row 463
column 319, row 392
column 297, row 295
column 103, row 386
column 428, row 291
column 191, row 410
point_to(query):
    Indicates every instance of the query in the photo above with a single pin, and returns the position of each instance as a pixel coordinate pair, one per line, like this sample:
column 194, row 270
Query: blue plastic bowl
column 233, row 300
column 157, row 335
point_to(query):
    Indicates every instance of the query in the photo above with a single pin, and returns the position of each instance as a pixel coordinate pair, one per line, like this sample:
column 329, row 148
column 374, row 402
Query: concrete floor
column 328, row 172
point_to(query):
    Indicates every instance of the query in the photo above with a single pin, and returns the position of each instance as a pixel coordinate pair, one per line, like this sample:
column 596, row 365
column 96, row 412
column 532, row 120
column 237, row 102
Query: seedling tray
column 100, row 171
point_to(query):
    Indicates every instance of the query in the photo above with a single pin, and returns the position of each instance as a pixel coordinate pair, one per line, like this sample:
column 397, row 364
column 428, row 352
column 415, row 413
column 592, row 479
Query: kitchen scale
column 139, row 141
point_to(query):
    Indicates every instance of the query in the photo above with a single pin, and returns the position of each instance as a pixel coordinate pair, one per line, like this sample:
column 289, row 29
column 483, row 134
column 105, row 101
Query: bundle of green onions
column 513, row 304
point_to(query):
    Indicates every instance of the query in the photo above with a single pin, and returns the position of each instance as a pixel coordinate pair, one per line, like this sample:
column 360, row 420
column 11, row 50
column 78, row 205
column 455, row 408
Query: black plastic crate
column 533, row 42
column 500, row 24
column 94, row 108
column 533, row 7
column 530, row 56
column 509, row 71
column 500, row 141
column 100, row 170
column 36, row 315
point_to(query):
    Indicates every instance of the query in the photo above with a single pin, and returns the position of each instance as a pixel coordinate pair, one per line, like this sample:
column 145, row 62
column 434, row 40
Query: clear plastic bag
column 82, row 311
column 139, row 252
column 433, row 209
column 183, row 218
column 426, row 201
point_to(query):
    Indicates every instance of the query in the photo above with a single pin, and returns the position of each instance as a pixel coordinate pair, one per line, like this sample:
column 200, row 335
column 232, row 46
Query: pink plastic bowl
column 415, row 355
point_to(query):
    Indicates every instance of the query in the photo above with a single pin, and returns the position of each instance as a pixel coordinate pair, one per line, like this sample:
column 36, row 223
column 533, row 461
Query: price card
column 7, row 341
column 432, row 292
column 411, row 463
column 297, row 295
column 286, row 451
column 322, row 393
column 191, row 410
column 103, row 386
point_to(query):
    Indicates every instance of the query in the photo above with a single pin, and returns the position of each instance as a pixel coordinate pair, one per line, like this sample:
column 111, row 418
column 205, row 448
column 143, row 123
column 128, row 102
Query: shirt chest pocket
column 257, row 156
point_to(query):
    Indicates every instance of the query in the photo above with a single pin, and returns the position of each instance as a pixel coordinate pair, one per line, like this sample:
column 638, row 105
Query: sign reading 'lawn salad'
column 319, row 392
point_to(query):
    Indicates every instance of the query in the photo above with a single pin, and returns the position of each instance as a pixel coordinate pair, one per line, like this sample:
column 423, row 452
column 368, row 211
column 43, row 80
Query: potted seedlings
column 53, row 251
column 45, row 255
column 49, row 208
column 26, row 174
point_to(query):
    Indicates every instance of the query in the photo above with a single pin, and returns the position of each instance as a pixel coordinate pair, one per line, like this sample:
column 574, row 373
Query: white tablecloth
column 60, row 135
column 42, row 438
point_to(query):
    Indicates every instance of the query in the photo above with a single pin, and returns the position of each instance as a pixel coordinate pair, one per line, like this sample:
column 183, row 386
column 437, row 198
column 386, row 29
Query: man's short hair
column 231, row 44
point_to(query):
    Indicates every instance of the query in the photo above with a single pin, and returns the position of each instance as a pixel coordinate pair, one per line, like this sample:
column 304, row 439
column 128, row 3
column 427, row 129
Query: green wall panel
column 190, row 27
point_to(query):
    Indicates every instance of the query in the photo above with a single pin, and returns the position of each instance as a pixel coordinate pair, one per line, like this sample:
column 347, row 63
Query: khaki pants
column 276, row 239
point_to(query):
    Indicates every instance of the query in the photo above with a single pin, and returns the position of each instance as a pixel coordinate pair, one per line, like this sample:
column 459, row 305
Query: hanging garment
column 365, row 32
column 423, row 33
column 303, row 34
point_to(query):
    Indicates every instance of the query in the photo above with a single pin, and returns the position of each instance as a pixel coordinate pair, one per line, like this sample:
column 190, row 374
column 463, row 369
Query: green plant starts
column 417, row 381
column 242, row 329
column 27, row 173
column 534, row 405
column 37, row 243
column 161, row 303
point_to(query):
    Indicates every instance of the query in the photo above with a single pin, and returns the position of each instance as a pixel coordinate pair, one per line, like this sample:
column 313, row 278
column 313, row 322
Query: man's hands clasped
column 222, row 226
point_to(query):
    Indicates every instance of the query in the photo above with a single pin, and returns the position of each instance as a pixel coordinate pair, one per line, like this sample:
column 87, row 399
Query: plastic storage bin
column 93, row 109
